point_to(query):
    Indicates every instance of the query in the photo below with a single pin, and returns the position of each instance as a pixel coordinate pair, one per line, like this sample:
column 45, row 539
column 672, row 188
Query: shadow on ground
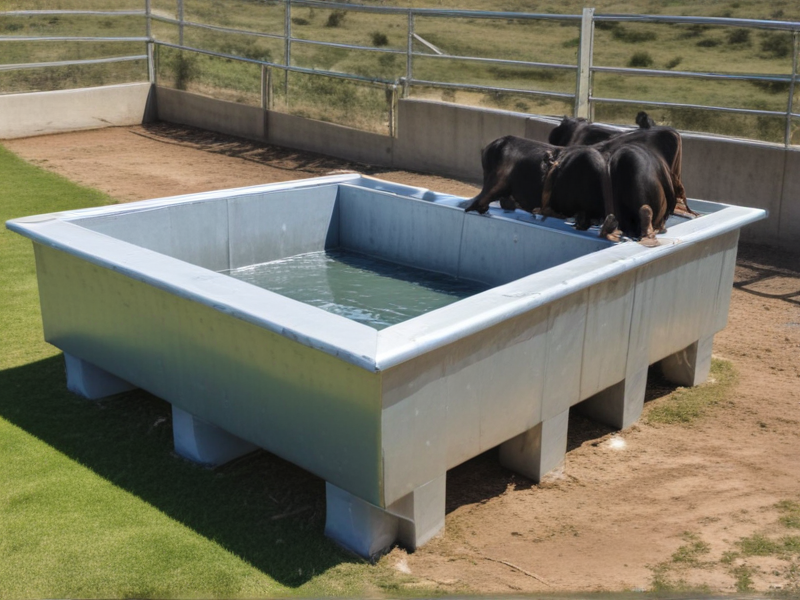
column 261, row 508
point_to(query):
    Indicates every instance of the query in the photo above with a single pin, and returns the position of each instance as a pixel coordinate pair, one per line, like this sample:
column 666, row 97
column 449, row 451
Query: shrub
column 300, row 21
column 632, row 36
column 379, row 39
column 776, row 44
column 674, row 62
column 708, row 43
column 641, row 59
column 778, row 14
column 693, row 31
column 573, row 43
column 739, row 36
column 185, row 67
column 335, row 18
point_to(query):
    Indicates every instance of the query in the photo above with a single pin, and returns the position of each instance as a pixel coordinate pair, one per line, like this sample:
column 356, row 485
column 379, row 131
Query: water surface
column 371, row 291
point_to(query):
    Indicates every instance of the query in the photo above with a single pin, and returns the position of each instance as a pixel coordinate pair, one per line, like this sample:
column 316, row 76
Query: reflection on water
column 374, row 292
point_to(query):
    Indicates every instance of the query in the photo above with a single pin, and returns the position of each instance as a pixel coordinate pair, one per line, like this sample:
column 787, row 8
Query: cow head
column 563, row 133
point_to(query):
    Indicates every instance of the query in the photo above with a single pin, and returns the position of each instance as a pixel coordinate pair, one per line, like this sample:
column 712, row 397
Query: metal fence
column 582, row 99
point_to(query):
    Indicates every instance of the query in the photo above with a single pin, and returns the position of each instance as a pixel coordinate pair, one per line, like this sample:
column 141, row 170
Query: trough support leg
column 691, row 365
column 538, row 451
column 370, row 531
column 203, row 442
column 89, row 381
column 620, row 405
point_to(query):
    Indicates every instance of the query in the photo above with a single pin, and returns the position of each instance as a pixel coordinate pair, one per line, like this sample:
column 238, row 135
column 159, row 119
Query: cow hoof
column 650, row 242
column 610, row 229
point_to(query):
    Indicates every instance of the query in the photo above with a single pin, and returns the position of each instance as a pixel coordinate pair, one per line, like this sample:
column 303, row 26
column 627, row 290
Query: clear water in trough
column 371, row 291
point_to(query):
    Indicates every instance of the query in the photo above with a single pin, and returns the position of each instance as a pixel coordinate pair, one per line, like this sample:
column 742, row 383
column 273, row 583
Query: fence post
column 584, row 82
column 787, row 140
column 151, row 69
column 180, row 22
column 391, row 97
column 287, row 49
column 409, row 52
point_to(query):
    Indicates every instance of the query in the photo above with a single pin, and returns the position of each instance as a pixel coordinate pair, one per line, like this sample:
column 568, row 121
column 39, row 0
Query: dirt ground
column 652, row 507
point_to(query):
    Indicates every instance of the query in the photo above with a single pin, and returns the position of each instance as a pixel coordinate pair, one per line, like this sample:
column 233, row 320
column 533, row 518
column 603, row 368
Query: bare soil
column 652, row 507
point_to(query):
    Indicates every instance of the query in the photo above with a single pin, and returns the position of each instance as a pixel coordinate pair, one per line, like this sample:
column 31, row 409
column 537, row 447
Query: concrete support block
column 691, row 365
column 541, row 449
column 203, row 442
column 358, row 525
column 421, row 513
column 89, row 381
column 621, row 404
column 370, row 531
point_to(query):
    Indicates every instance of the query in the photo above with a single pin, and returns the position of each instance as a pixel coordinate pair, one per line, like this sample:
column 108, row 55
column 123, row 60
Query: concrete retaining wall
column 39, row 113
column 433, row 137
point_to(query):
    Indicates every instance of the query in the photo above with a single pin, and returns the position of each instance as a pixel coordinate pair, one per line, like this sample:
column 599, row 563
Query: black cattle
column 665, row 141
column 514, row 171
column 578, row 186
column 643, row 195
column 562, row 182
column 574, row 131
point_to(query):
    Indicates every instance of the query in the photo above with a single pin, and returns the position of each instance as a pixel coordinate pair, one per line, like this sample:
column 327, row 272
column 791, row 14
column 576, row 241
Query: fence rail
column 584, row 69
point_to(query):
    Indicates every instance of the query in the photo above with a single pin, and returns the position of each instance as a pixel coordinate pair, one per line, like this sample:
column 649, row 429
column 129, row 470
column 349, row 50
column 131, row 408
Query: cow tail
column 665, row 175
column 608, row 190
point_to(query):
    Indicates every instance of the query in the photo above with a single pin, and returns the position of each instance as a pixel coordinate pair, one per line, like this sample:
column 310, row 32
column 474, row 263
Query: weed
column 641, row 59
column 744, row 578
column 758, row 545
column 709, row 43
column 739, row 37
column 776, row 44
column 606, row 25
column 791, row 516
column 693, row 31
column 686, row 405
column 185, row 69
column 690, row 553
column 778, row 14
column 335, row 18
column 379, row 39
column 671, row 64
column 573, row 43
column 300, row 21
column 633, row 36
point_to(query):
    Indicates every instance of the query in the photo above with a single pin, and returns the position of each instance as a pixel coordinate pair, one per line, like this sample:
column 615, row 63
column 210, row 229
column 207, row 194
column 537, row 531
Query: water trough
column 143, row 295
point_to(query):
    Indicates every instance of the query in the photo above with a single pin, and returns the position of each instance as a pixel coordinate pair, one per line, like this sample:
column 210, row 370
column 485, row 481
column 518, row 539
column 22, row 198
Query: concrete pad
column 205, row 443
column 91, row 382
column 690, row 366
column 539, row 450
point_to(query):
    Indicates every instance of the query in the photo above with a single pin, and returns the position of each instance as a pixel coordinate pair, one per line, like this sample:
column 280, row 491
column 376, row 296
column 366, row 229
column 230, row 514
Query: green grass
column 687, row 405
column 94, row 504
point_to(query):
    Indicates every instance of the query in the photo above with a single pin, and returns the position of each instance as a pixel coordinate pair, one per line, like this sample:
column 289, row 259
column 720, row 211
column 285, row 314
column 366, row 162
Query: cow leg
column 690, row 366
column 204, row 443
column 538, row 451
column 507, row 203
column 620, row 405
column 90, row 381
column 582, row 221
column 647, row 235
column 610, row 229
column 369, row 531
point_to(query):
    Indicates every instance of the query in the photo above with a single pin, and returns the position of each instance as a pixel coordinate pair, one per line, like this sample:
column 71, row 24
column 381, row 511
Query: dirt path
column 665, row 506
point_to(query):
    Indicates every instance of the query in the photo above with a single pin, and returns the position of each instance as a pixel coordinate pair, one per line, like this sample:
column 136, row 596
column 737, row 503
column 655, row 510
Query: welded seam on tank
column 461, row 245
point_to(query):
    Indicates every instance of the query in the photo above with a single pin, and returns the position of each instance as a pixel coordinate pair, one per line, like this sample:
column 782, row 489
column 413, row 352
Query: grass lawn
column 92, row 501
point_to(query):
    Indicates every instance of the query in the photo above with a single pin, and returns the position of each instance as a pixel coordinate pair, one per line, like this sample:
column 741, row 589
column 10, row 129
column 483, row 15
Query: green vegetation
column 94, row 504
column 700, row 48
column 686, row 405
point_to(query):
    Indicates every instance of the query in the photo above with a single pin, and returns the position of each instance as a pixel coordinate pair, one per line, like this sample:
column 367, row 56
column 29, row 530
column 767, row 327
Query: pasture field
column 655, row 46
